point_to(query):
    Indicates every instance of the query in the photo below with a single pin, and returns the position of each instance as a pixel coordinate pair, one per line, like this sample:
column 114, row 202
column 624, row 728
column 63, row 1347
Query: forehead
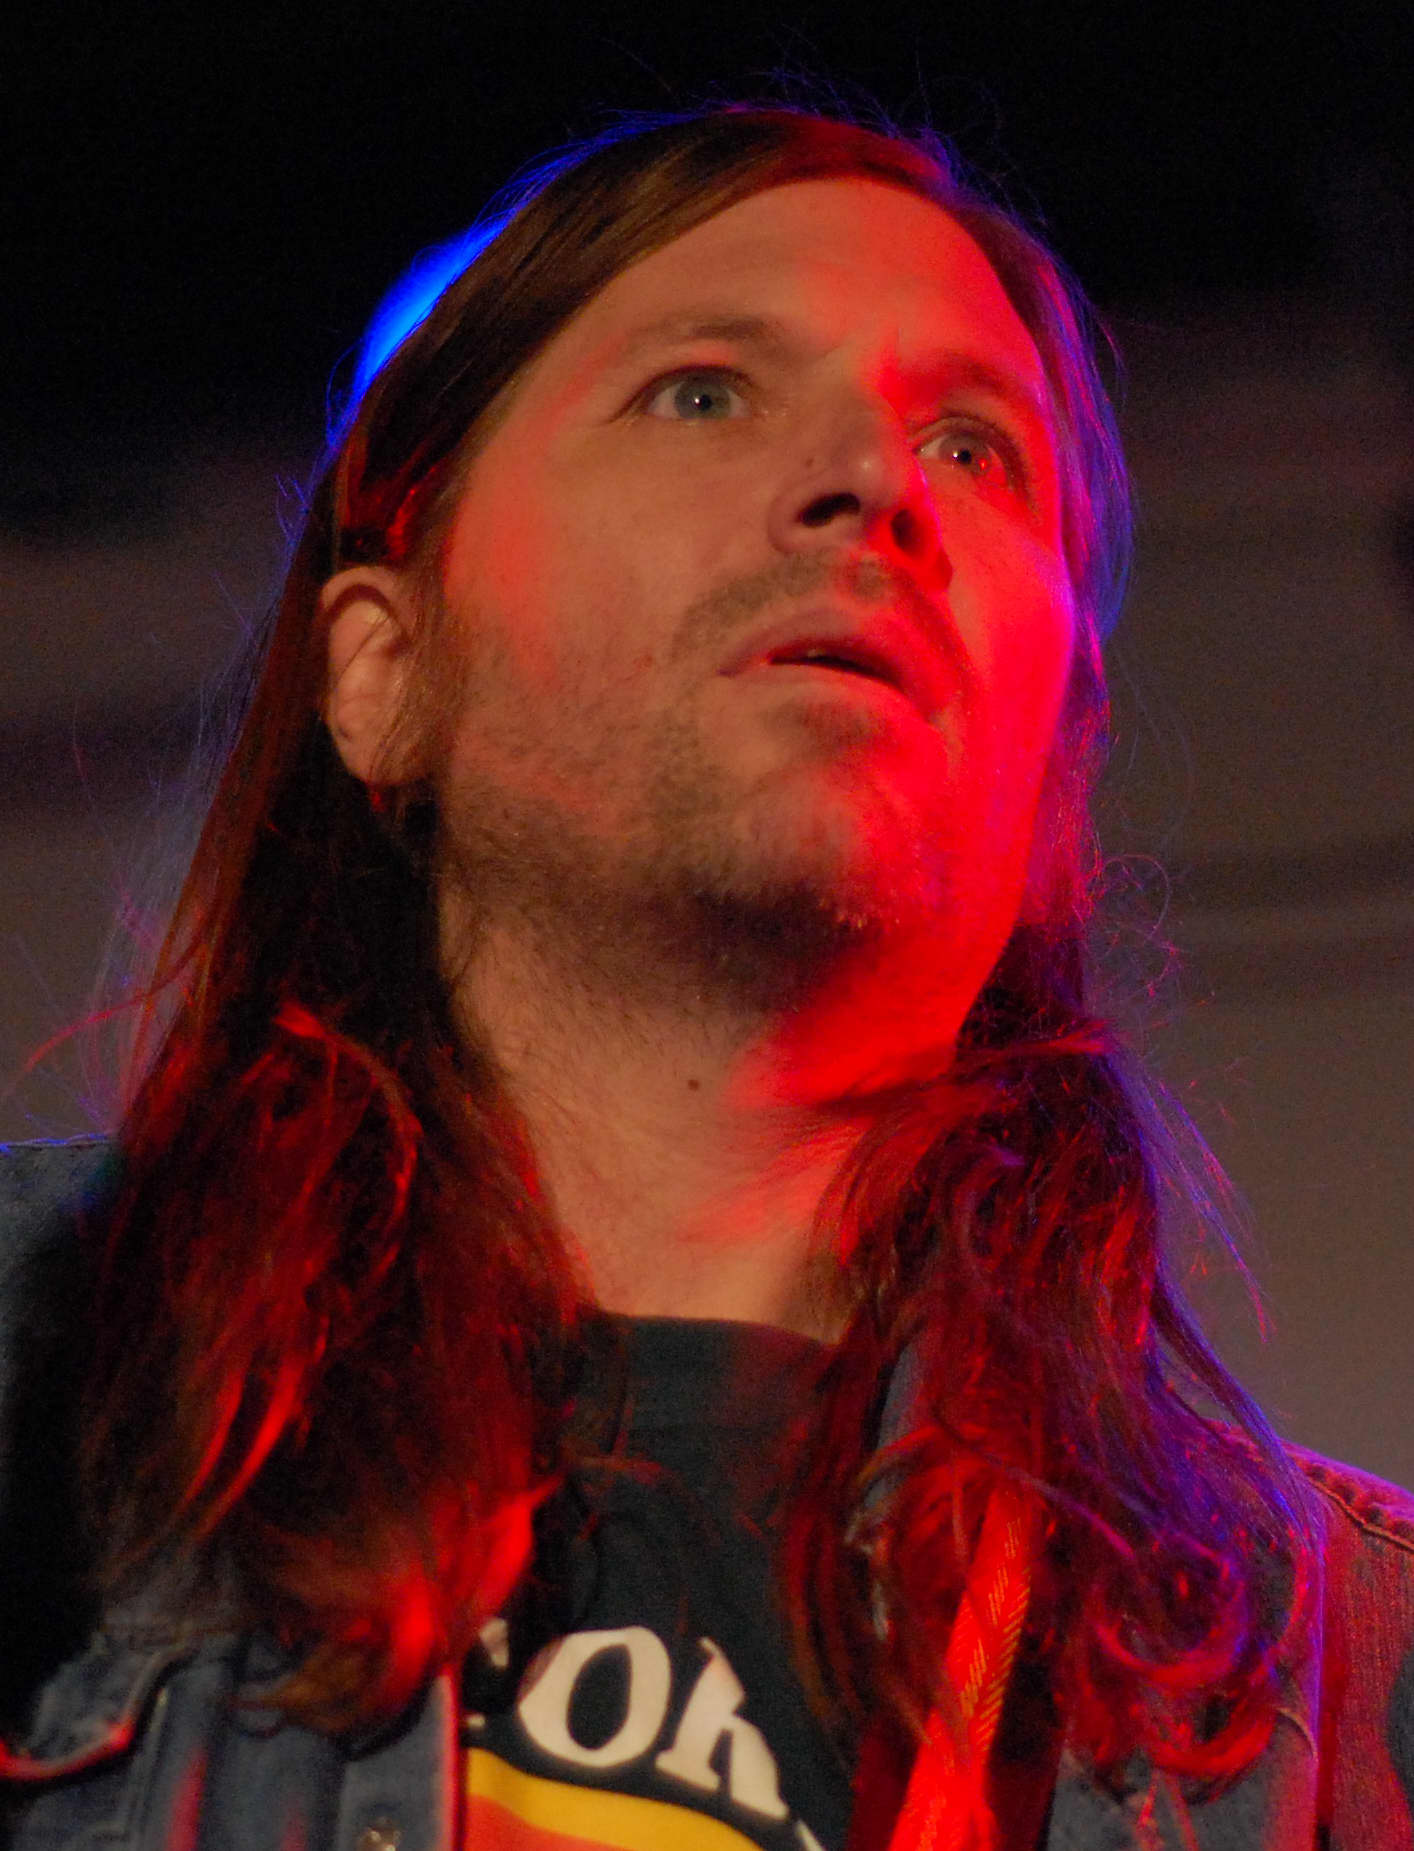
column 840, row 260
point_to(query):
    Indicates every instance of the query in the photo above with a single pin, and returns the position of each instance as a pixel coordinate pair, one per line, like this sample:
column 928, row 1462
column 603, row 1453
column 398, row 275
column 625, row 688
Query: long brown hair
column 335, row 1321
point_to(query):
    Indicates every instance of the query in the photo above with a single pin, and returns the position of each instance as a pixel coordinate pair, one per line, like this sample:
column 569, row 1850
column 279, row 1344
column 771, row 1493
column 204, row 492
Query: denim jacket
column 130, row 1736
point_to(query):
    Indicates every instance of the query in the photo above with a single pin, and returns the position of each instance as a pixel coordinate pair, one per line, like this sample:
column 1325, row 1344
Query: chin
column 869, row 856
column 778, row 911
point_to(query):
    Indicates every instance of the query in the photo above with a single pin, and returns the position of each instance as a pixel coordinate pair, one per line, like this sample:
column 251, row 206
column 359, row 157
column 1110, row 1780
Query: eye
column 979, row 451
column 706, row 394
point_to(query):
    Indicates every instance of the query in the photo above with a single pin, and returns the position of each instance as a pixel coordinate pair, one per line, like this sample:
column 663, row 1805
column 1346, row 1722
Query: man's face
column 761, row 588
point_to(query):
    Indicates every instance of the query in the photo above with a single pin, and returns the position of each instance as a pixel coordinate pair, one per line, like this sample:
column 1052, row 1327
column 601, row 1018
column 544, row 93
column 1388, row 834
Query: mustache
column 718, row 615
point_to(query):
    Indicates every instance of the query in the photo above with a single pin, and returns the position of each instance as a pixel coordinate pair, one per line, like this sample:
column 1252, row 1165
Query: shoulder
column 1364, row 1518
column 45, row 1185
column 1366, row 1530
column 1362, row 1655
column 45, row 1192
column 1365, row 1575
column 1368, row 1502
column 48, row 1177
column 44, row 1188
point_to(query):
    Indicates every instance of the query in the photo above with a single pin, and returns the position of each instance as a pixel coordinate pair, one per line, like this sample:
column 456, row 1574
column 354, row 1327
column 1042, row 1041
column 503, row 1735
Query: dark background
column 201, row 210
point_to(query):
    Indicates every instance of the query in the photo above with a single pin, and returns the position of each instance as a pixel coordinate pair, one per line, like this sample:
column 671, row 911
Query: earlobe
column 367, row 610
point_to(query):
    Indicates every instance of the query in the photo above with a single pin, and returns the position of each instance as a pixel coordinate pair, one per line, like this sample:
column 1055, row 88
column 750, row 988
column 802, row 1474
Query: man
column 627, row 1307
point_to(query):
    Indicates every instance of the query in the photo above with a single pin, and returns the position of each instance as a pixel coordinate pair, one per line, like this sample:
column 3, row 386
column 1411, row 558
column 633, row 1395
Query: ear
column 369, row 614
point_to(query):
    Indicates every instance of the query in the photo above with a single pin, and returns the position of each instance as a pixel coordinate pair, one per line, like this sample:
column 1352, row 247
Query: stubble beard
column 709, row 902
column 719, row 898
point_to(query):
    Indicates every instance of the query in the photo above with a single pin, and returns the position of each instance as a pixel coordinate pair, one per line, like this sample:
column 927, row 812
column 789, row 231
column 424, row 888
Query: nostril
column 910, row 533
column 828, row 508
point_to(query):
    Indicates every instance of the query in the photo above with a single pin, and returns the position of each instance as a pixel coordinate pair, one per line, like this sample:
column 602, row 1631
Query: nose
column 855, row 478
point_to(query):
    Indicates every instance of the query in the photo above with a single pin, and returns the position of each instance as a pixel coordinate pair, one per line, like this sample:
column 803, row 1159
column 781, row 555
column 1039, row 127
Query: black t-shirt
column 641, row 1691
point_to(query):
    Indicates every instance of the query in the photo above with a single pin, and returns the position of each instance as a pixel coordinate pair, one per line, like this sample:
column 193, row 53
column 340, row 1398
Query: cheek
column 1024, row 668
column 1023, row 628
column 571, row 579
column 1039, row 672
column 514, row 582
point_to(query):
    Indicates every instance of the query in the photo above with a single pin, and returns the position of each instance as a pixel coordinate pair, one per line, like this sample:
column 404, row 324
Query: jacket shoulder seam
column 1361, row 1503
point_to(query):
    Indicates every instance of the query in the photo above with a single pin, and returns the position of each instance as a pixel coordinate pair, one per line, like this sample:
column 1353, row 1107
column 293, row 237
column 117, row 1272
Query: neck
column 686, row 1134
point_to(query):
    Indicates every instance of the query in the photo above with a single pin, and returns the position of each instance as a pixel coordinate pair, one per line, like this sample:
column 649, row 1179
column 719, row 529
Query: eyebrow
column 962, row 369
column 767, row 335
column 698, row 325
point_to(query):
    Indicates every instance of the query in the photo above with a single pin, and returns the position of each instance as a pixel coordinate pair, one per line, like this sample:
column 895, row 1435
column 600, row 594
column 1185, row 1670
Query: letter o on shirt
column 544, row 1709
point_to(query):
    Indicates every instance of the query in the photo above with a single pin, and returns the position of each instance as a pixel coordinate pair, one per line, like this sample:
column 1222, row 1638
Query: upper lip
column 878, row 644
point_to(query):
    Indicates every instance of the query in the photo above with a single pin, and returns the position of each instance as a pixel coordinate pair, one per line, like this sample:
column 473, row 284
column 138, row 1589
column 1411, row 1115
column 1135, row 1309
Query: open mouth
column 845, row 661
